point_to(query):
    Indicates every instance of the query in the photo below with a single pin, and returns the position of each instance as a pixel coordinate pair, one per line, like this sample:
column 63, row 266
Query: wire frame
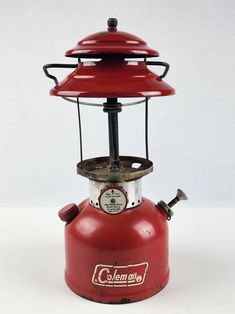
column 80, row 126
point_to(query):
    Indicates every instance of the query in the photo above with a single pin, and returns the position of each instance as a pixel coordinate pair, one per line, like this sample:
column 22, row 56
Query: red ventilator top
column 113, row 75
column 112, row 42
column 112, row 78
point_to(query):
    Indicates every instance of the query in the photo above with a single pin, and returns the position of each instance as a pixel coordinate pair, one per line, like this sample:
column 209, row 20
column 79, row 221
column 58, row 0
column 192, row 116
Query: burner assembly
column 116, row 240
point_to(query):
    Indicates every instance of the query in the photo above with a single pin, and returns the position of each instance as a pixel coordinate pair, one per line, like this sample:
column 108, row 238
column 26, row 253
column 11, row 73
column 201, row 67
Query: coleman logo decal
column 119, row 276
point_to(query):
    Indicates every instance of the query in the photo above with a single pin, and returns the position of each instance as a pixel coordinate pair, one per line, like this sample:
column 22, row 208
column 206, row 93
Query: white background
column 191, row 144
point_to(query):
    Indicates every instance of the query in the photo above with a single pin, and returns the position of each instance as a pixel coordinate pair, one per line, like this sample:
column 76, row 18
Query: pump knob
column 180, row 196
column 68, row 212
column 112, row 24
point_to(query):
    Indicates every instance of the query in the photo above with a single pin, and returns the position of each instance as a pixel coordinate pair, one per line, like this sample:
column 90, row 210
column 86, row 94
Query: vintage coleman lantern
column 116, row 241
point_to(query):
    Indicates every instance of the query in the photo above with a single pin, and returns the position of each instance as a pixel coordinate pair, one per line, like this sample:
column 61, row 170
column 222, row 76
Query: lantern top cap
column 112, row 42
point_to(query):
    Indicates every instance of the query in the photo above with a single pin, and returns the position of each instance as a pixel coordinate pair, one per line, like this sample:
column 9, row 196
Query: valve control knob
column 68, row 212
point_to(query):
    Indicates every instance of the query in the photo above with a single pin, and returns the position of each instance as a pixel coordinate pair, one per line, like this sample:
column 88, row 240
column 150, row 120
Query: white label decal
column 119, row 276
column 113, row 200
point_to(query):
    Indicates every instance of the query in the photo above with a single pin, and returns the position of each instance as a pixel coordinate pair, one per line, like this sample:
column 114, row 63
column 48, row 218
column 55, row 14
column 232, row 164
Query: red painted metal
column 69, row 212
column 99, row 247
column 121, row 257
column 111, row 42
column 112, row 77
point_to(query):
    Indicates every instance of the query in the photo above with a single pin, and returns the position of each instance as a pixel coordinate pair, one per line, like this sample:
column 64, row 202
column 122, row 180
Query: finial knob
column 112, row 24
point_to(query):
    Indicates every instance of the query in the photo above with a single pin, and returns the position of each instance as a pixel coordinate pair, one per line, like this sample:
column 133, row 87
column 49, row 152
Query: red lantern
column 116, row 241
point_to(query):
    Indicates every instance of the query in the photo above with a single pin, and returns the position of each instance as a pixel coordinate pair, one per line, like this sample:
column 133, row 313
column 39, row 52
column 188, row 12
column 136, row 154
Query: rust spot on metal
column 99, row 169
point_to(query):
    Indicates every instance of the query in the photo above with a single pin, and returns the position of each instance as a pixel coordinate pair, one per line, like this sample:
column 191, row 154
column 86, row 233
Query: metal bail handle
column 164, row 64
column 54, row 78
column 58, row 66
column 69, row 66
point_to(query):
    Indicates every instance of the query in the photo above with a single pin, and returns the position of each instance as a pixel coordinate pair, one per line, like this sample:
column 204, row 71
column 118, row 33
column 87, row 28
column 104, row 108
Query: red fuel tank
column 116, row 258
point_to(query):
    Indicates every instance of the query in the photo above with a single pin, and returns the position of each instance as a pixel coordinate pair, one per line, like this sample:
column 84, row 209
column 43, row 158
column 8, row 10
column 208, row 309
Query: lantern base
column 117, row 300
column 118, row 258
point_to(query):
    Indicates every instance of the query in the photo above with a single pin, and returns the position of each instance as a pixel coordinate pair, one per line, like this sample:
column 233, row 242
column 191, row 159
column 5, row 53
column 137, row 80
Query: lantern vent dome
column 112, row 42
